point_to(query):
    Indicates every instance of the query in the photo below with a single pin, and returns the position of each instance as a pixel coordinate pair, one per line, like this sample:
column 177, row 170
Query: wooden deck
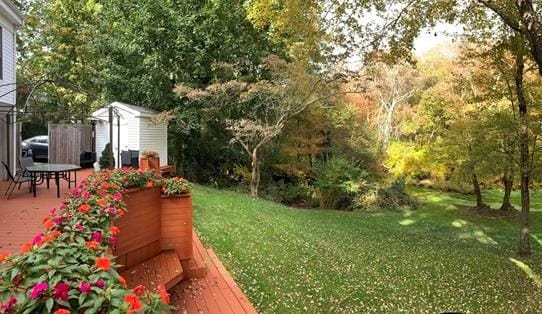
column 20, row 216
column 217, row 292
column 213, row 291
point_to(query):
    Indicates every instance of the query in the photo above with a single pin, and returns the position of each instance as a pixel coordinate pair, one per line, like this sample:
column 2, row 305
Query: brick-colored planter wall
column 139, row 237
column 177, row 225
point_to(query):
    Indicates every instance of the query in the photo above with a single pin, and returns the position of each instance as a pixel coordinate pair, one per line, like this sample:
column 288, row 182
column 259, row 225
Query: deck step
column 163, row 269
column 196, row 267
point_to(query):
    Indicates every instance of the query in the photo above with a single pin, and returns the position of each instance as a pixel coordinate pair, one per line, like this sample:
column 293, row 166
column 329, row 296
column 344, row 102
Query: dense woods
column 264, row 94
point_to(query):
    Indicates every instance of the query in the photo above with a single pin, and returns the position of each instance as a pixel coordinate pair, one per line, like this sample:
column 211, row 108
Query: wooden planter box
column 177, row 225
column 140, row 227
column 150, row 163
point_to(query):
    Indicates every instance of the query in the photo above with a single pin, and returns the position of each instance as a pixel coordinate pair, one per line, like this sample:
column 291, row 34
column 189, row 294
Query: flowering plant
column 69, row 267
column 149, row 153
column 174, row 186
column 140, row 178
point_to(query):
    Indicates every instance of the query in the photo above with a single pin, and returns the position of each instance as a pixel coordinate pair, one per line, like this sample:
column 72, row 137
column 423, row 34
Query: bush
column 106, row 157
column 288, row 193
column 376, row 198
column 337, row 182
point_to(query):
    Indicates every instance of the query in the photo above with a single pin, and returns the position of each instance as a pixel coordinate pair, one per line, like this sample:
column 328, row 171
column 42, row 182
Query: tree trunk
column 508, row 183
column 529, row 18
column 255, row 175
column 524, row 245
column 477, row 191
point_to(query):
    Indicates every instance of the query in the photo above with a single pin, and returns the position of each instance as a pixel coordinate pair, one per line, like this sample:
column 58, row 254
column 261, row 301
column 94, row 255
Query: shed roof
column 136, row 111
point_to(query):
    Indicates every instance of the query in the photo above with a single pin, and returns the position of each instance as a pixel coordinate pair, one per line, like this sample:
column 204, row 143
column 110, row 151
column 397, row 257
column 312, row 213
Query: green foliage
column 105, row 158
column 175, row 186
column 392, row 198
column 337, row 182
column 288, row 193
column 139, row 179
column 149, row 153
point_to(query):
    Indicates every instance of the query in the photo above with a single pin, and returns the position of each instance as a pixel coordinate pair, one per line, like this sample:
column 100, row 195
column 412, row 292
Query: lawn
column 435, row 259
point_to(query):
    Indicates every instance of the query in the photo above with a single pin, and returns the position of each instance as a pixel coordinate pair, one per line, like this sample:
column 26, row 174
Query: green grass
column 434, row 259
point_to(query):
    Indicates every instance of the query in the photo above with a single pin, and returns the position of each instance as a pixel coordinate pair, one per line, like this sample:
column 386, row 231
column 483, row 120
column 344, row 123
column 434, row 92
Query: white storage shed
column 136, row 131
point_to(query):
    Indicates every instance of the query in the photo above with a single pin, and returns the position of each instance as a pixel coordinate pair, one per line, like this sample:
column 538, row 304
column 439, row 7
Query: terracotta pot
column 139, row 237
column 144, row 164
column 149, row 163
column 154, row 163
column 177, row 225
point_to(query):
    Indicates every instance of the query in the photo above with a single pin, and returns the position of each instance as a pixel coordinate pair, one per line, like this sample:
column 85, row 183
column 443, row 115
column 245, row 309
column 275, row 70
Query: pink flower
column 9, row 304
column 61, row 291
column 58, row 219
column 37, row 239
column 80, row 227
column 38, row 290
column 97, row 236
column 117, row 196
column 85, row 195
column 113, row 240
column 84, row 287
column 100, row 284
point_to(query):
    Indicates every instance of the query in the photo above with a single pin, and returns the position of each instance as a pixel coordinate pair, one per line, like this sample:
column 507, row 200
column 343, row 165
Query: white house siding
column 10, row 19
column 9, row 48
column 154, row 136
column 102, row 137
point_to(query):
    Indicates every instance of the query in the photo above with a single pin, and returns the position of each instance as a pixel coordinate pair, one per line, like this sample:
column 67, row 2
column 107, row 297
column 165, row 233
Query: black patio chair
column 134, row 158
column 14, row 180
column 125, row 159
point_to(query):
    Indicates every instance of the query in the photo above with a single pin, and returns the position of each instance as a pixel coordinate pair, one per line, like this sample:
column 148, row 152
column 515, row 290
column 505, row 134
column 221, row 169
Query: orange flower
column 149, row 184
column 26, row 247
column 164, row 295
column 122, row 281
column 115, row 230
column 62, row 311
column 92, row 244
column 139, row 290
column 55, row 234
column 46, row 239
column 105, row 185
column 48, row 224
column 102, row 202
column 3, row 256
column 83, row 208
column 45, row 218
column 121, row 212
column 103, row 263
column 133, row 301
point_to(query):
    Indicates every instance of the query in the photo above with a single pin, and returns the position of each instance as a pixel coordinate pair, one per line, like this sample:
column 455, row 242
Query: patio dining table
column 49, row 171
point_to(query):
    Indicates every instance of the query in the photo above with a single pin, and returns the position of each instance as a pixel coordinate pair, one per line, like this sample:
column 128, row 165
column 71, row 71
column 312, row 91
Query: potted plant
column 176, row 216
column 150, row 159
